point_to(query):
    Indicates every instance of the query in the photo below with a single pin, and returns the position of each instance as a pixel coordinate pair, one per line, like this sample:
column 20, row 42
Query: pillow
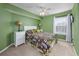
column 29, row 31
column 34, row 30
column 39, row 30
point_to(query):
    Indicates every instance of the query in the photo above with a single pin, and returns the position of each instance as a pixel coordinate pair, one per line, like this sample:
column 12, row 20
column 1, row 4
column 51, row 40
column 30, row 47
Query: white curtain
column 68, row 34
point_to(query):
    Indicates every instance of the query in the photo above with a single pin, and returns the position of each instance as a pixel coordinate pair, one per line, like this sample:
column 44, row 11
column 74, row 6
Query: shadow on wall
column 10, row 38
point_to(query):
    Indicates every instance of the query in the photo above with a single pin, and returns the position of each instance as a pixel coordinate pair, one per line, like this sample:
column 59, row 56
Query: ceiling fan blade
column 49, row 9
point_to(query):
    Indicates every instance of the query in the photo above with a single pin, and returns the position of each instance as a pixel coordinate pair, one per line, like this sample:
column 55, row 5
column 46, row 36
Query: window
column 60, row 25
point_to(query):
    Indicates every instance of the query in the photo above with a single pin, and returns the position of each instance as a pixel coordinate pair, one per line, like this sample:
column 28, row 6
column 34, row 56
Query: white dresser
column 19, row 38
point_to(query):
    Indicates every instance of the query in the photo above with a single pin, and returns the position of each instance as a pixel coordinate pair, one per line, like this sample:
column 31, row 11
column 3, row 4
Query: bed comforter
column 40, row 40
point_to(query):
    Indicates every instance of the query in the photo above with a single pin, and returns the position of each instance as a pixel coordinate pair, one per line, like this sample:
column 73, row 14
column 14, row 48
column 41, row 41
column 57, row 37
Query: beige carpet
column 60, row 49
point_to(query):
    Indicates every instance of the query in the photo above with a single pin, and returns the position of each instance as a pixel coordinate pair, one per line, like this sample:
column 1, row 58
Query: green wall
column 24, row 20
column 5, row 28
column 9, row 14
column 47, row 22
column 75, row 27
column 19, row 11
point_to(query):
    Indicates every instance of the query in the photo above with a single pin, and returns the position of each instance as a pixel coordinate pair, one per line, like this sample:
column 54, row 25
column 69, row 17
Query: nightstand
column 19, row 38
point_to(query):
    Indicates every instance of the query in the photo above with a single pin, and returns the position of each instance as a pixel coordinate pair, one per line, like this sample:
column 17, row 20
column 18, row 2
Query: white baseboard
column 74, row 51
column 6, row 48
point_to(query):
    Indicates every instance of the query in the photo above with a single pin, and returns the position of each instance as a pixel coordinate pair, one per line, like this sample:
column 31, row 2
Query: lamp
column 18, row 23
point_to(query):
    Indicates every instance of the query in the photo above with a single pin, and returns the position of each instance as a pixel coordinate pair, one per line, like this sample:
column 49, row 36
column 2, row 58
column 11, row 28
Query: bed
column 41, row 40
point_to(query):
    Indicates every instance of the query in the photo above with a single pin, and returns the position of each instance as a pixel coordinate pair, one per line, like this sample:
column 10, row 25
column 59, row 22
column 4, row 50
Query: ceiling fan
column 44, row 11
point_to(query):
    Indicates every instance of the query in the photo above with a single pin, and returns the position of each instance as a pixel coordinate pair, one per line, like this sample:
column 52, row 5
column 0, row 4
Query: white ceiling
column 35, row 7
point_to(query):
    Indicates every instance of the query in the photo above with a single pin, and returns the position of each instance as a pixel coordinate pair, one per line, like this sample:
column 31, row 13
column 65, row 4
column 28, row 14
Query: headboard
column 29, row 27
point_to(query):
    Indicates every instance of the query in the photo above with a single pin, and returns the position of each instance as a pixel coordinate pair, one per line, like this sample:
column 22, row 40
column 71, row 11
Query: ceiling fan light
column 42, row 14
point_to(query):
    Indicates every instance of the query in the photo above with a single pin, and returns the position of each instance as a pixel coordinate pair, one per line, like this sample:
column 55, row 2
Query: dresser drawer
column 19, row 38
